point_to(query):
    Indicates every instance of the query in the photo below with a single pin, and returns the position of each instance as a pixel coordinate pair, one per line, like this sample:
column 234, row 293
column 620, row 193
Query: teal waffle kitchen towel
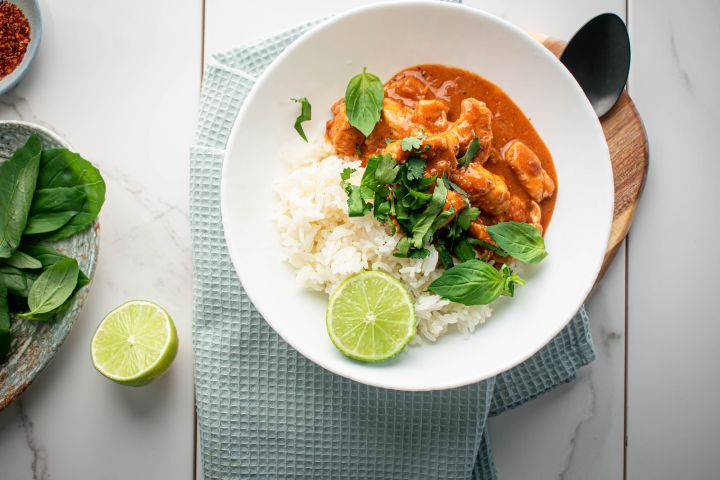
column 265, row 412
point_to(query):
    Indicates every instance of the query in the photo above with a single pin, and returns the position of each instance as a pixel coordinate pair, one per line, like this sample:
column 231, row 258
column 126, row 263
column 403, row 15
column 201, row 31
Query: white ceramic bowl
column 387, row 38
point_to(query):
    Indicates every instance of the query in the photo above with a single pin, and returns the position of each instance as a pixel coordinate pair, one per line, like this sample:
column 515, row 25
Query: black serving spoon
column 598, row 56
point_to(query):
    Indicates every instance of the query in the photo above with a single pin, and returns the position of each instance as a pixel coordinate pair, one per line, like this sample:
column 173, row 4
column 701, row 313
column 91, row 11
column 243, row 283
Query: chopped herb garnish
column 415, row 168
column 408, row 144
column 305, row 115
column 472, row 151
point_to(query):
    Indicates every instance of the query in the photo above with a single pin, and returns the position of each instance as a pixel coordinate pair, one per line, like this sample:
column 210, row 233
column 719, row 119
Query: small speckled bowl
column 35, row 343
column 31, row 10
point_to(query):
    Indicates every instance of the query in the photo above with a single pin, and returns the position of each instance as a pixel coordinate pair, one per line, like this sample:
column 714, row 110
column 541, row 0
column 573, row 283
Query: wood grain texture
column 627, row 141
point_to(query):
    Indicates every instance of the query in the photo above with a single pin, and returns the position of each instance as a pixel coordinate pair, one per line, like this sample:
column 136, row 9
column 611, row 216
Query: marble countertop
column 120, row 81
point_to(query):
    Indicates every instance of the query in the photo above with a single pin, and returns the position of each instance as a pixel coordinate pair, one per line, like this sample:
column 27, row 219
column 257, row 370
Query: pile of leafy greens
column 45, row 195
column 400, row 195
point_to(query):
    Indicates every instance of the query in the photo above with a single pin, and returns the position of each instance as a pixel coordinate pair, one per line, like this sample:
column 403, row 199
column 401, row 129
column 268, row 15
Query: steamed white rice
column 325, row 245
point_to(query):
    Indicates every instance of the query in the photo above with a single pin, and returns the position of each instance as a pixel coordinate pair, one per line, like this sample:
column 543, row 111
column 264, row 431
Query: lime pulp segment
column 371, row 316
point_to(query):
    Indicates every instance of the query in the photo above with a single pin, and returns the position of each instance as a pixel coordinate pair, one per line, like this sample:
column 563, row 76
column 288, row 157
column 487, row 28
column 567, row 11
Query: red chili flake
column 14, row 37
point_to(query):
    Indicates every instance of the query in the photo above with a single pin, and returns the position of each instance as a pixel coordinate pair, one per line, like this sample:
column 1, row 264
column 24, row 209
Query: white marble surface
column 120, row 81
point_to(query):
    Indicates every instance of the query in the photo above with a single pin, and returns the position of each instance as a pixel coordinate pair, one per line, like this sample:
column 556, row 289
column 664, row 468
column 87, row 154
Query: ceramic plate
column 35, row 343
column 387, row 38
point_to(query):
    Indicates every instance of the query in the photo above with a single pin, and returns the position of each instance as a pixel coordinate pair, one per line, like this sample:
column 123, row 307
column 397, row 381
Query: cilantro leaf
column 408, row 144
column 463, row 250
column 419, row 253
column 305, row 115
column 345, row 174
column 423, row 228
column 415, row 168
column 357, row 206
column 472, row 151
column 387, row 170
column 466, row 216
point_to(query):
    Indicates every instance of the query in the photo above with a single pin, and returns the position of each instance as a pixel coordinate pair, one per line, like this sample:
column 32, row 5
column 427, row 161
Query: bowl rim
column 242, row 113
column 11, row 80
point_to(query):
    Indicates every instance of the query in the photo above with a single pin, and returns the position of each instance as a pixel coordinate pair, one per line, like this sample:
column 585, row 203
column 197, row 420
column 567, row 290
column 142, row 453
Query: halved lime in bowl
column 371, row 316
column 135, row 343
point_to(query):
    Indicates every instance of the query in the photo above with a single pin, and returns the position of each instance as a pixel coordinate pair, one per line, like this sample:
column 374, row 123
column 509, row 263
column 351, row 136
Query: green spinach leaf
column 48, row 256
column 305, row 115
column 4, row 322
column 24, row 261
column 363, row 101
column 474, row 283
column 60, row 167
column 52, row 288
column 519, row 240
column 18, row 282
column 52, row 208
column 18, row 178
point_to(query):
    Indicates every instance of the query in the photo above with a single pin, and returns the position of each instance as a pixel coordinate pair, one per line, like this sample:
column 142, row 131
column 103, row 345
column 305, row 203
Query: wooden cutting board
column 626, row 138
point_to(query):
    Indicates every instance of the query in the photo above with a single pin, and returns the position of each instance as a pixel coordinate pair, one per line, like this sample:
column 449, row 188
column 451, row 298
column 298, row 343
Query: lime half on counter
column 371, row 317
column 135, row 343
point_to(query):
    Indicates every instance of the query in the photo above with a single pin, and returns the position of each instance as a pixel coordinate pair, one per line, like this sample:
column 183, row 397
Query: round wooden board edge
column 629, row 155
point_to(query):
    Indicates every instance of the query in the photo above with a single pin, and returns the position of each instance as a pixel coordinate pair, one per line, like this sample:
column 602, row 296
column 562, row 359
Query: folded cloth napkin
column 265, row 412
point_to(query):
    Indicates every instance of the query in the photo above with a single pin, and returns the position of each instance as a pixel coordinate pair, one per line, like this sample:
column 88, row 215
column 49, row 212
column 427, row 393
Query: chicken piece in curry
column 511, row 178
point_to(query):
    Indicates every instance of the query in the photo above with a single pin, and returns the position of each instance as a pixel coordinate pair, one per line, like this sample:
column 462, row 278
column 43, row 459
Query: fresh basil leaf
column 520, row 240
column 472, row 151
column 305, row 115
column 60, row 167
column 387, row 170
column 471, row 283
column 18, row 282
column 48, row 256
column 363, row 101
column 18, row 178
column 23, row 261
column 52, row 208
column 415, row 168
column 422, row 228
column 52, row 288
column 408, row 144
column 4, row 322
column 467, row 216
